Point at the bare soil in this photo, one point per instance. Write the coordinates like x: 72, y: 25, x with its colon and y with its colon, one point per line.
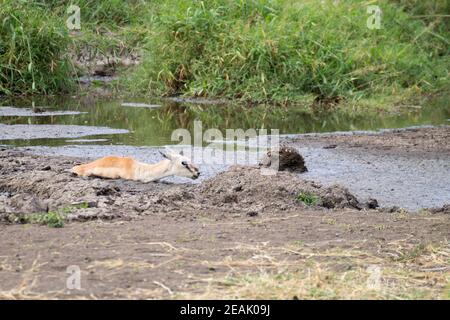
x: 422, y: 141
x: 228, y: 236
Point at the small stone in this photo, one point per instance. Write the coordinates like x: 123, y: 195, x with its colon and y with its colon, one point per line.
x: 237, y: 188
x: 252, y: 213
x: 228, y: 198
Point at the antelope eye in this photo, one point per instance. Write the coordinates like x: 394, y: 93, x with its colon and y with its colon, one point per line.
x: 184, y: 163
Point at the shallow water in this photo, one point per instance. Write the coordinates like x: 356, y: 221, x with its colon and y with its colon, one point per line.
x: 154, y: 126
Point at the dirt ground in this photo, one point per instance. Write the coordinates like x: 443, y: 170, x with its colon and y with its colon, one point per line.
x: 419, y: 141
x: 239, y: 234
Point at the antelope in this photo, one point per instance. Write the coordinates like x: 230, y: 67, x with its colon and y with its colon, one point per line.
x: 113, y: 167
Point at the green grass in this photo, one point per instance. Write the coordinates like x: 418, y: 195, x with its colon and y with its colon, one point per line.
x: 277, y: 51
x: 307, y: 198
x: 34, y: 55
x: 37, y: 50
x: 269, y: 50
x: 51, y: 219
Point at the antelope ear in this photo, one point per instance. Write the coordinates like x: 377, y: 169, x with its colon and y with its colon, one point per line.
x: 182, y: 153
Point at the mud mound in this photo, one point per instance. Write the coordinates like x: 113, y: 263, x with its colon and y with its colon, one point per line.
x: 444, y: 209
x: 247, y: 185
x: 245, y: 189
x: 288, y: 159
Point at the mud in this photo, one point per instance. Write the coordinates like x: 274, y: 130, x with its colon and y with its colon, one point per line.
x: 407, y: 168
x: 34, y: 184
x: 30, y: 131
x: 419, y: 141
x: 285, y: 158
x: 177, y: 239
x: 182, y: 253
x: 37, y: 112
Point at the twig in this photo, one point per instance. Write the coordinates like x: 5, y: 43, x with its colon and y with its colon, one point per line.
x: 164, y: 287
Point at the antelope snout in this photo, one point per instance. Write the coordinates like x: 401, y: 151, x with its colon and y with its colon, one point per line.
x: 196, y: 175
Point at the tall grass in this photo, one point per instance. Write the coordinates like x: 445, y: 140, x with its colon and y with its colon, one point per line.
x: 254, y: 50
x: 37, y: 51
x: 33, y: 50
x: 100, y: 13
x: 276, y: 50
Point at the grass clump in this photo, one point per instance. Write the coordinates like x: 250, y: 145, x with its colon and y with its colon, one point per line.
x: 308, y: 198
x: 278, y: 50
x: 51, y: 219
x: 33, y: 50
x: 38, y: 53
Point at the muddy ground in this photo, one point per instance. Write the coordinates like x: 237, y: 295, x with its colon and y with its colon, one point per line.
x: 409, y: 168
x: 420, y: 141
x: 239, y: 234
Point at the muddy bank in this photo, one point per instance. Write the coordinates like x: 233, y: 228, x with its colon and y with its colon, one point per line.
x: 420, y: 141
x: 166, y: 240
x: 407, y: 168
x: 161, y: 257
x: 30, y: 131
x: 33, y: 184
x: 36, y: 112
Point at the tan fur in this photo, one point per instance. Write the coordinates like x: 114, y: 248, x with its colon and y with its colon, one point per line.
x: 113, y: 167
x: 107, y: 167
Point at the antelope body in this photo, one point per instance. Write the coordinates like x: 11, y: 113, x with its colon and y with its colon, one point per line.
x: 113, y: 167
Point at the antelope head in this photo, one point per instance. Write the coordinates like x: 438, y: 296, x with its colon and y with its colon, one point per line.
x: 181, y: 165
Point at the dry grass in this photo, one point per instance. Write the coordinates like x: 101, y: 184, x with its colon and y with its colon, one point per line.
x: 414, y: 272
x: 24, y: 290
x: 398, y: 270
x: 115, y: 264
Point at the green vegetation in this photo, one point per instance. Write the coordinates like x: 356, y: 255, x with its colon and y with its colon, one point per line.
x: 281, y: 50
x: 34, y: 55
x: 277, y: 51
x: 307, y: 198
x: 37, y: 51
x: 52, y: 219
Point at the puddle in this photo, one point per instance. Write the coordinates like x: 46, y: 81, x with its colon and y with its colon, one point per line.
x: 92, y: 79
x: 408, y: 182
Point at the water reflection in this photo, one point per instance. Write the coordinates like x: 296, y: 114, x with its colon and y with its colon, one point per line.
x: 149, y: 126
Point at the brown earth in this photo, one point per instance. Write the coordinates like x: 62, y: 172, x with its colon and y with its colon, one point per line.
x: 423, y: 141
x: 240, y: 234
